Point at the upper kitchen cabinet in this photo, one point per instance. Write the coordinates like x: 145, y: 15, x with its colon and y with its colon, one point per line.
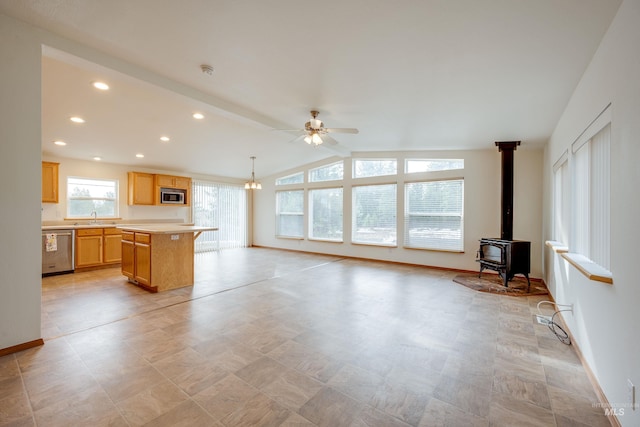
x: 50, y: 182
x: 155, y: 189
x: 169, y: 181
x: 140, y: 189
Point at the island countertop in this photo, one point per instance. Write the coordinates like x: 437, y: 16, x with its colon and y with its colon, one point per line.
x: 165, y: 228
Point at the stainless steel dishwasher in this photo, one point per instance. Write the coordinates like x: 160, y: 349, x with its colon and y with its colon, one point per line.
x: 57, y: 251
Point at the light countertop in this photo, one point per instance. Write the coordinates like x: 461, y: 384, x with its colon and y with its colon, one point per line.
x: 165, y: 228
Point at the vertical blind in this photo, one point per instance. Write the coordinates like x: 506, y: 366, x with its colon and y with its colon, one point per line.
x: 561, y: 200
x: 290, y: 213
x: 325, y: 209
x: 223, y: 206
x: 591, y: 196
x: 374, y: 214
x: 600, y: 198
x: 434, y: 215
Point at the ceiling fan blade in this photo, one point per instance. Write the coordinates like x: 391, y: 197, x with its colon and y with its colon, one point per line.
x: 342, y: 130
x: 326, y: 139
x: 290, y: 130
x: 297, y: 139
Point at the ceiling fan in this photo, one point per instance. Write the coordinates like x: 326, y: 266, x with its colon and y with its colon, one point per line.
x: 315, y: 133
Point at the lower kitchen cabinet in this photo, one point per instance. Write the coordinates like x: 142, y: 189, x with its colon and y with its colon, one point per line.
x: 97, y: 247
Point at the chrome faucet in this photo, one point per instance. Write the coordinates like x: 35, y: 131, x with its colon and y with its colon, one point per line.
x: 94, y: 214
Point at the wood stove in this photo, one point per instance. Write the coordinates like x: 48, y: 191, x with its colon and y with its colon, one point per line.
x: 506, y: 256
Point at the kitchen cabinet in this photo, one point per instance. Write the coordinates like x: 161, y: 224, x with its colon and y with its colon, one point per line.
x: 88, y: 247
x: 112, y: 249
x: 169, y: 181
x: 144, y: 188
x: 50, y: 182
x: 159, y: 257
x: 140, y: 190
x: 143, y: 259
x: 96, y: 247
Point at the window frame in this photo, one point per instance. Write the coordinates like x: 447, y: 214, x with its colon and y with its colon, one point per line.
x: 311, y: 202
x: 115, y: 199
x: 354, y: 214
x: 407, y: 216
x: 354, y: 169
x: 301, y: 214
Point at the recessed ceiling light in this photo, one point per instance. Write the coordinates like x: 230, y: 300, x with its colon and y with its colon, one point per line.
x: 60, y: 143
x: 139, y: 155
x: 77, y: 119
x: 97, y: 159
x: 101, y: 85
x: 165, y: 138
x: 198, y: 116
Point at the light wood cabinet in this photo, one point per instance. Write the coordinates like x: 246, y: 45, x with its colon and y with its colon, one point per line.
x: 158, y: 262
x: 170, y: 181
x: 96, y: 247
x: 128, y: 255
x: 50, y: 182
x: 112, y: 247
x: 143, y: 259
x: 140, y: 190
x: 88, y: 247
x: 144, y: 188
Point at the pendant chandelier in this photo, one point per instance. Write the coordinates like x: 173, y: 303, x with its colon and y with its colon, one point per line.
x: 252, y: 184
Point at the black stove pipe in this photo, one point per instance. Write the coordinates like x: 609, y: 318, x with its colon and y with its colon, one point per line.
x: 506, y: 219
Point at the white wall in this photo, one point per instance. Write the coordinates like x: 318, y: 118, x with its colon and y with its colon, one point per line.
x: 481, y: 210
x: 606, y: 318
x: 20, y: 171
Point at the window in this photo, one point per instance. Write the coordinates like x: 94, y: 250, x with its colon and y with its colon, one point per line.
x: 374, y: 167
x: 330, y: 172
x: 223, y: 206
x: 290, y: 213
x: 374, y: 214
x: 85, y: 196
x: 591, y: 189
x: 561, y: 197
x: 432, y: 165
x: 296, y: 178
x: 433, y: 215
x: 325, y: 214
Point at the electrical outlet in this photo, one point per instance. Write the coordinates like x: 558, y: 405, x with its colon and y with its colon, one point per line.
x: 543, y: 320
x: 631, y: 390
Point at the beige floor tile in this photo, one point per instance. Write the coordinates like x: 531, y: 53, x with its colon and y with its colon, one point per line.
x: 225, y: 397
x: 342, y: 341
x: 442, y: 414
x: 508, y: 411
x: 331, y: 408
x: 151, y: 403
x: 186, y: 414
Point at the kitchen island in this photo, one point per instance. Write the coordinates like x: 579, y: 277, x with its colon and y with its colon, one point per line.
x: 159, y: 257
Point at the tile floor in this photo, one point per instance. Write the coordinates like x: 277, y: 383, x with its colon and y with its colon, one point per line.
x: 275, y: 338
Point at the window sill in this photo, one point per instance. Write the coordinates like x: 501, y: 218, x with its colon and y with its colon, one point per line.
x: 452, y: 251
x: 290, y: 237
x: 589, y: 268
x: 558, y: 247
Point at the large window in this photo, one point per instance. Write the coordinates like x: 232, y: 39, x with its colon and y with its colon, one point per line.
x: 325, y: 214
x: 432, y: 165
x: 433, y: 215
x: 374, y: 214
x: 334, y: 171
x: 223, y: 206
x: 88, y: 197
x: 561, y: 200
x: 290, y: 213
x: 591, y: 190
x: 296, y: 178
x: 363, y: 168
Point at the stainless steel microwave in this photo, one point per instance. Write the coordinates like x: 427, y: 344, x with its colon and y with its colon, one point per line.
x: 172, y: 196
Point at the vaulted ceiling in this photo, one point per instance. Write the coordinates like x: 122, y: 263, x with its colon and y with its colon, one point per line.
x: 410, y: 75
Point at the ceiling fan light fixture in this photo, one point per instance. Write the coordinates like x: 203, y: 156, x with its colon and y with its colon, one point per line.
x: 315, y: 123
x: 307, y: 139
x: 315, y: 138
